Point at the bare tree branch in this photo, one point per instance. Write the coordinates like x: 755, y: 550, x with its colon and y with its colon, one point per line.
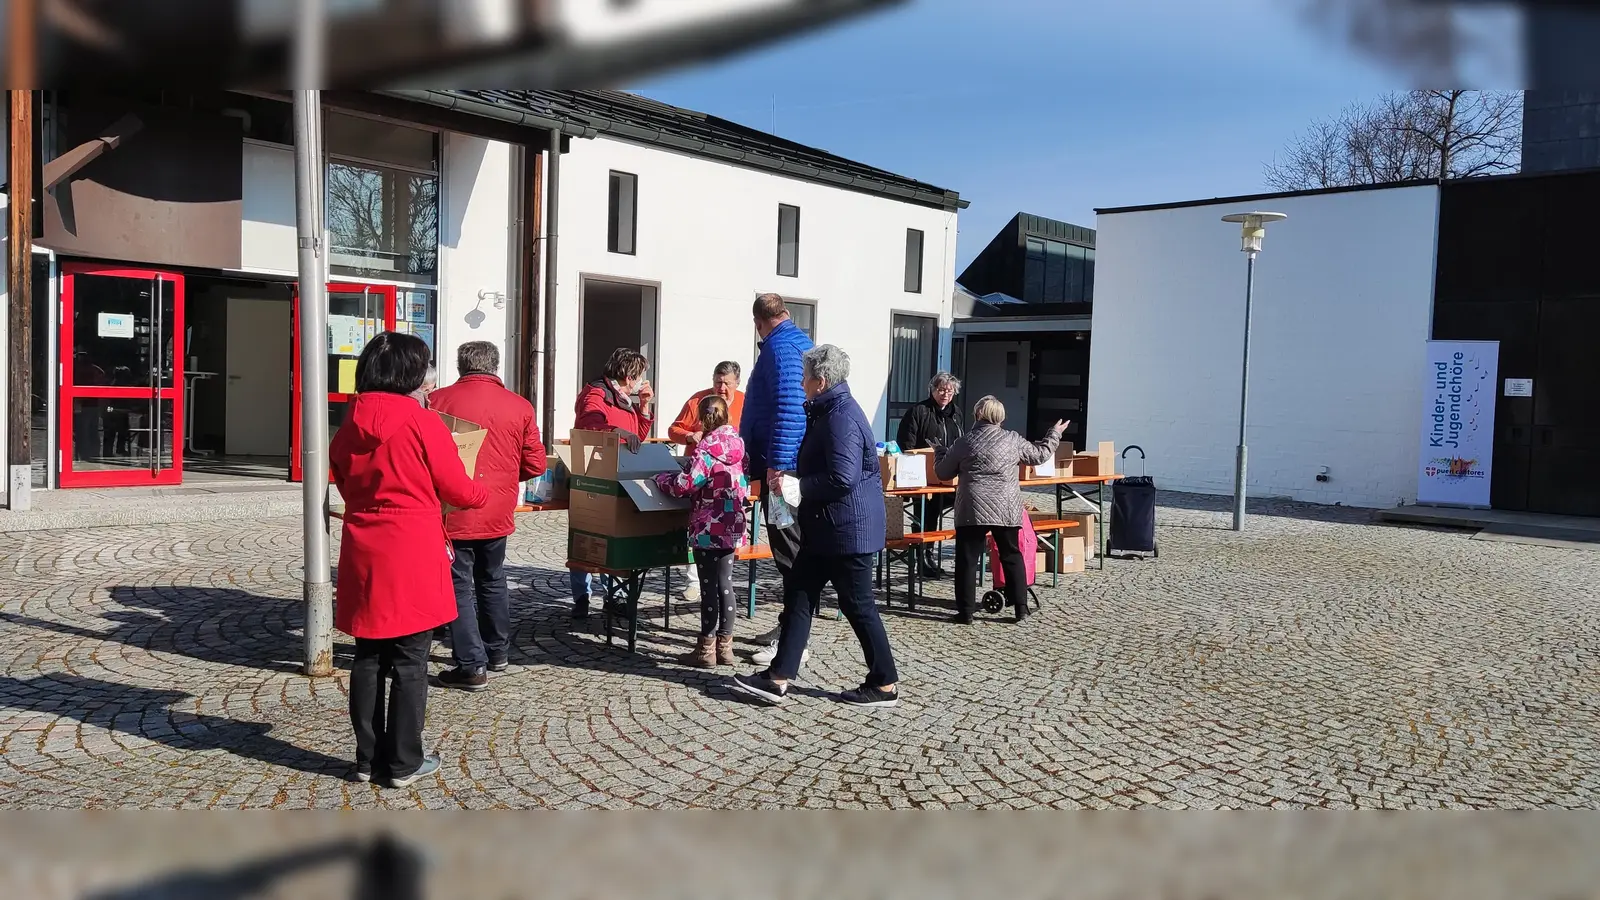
x: 1416, y: 135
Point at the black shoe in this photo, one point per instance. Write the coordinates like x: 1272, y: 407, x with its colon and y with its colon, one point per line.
x: 463, y: 679
x: 499, y: 664
x: 362, y: 773
x: 1023, y: 613
x: 430, y: 765
x: 871, y: 696
x: 961, y: 619
x: 932, y: 573
x: 759, y: 686
x: 580, y: 611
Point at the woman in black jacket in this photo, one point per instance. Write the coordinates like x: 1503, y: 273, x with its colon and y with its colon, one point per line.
x: 934, y: 423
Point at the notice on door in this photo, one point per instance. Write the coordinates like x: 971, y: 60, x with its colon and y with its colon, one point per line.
x: 1519, y: 387
x: 1458, y: 423
x: 116, y: 325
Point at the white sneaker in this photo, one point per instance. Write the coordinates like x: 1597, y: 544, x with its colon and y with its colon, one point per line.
x: 691, y: 589
x: 767, y: 654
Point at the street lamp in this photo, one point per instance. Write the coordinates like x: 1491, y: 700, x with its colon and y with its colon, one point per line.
x: 1254, y: 227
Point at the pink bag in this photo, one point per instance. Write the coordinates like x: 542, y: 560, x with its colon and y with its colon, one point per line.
x: 1030, y: 553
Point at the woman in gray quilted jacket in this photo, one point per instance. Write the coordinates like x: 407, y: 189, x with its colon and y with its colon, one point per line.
x: 989, y: 501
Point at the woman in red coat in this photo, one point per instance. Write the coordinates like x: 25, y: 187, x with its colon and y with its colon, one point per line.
x: 394, y: 462
x: 620, y: 400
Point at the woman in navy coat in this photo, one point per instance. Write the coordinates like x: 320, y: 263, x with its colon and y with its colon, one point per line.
x: 841, y: 519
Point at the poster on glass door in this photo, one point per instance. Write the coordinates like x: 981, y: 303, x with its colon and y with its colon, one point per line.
x: 1458, y: 423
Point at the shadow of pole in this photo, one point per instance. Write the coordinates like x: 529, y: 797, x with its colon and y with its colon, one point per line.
x: 386, y: 869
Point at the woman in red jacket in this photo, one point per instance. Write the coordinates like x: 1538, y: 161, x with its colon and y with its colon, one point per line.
x: 619, y: 401
x: 394, y: 462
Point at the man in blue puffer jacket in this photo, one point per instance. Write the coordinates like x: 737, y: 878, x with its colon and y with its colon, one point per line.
x: 775, y: 422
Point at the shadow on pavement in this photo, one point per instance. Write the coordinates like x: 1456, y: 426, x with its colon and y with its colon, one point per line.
x: 386, y: 868
x: 190, y: 621
x: 147, y: 713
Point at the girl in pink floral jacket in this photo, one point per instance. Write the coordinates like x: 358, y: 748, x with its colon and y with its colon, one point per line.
x: 716, y: 484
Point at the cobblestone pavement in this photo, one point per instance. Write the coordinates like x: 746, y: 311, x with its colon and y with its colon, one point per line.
x: 1315, y: 660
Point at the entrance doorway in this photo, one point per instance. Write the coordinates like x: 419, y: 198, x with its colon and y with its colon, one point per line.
x: 356, y: 314
x: 237, y: 403
x: 615, y: 314
x: 1000, y: 369
x: 122, y: 376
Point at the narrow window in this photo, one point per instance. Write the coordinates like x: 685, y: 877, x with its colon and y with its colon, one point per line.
x: 788, y: 240
x: 913, y: 261
x: 622, y: 221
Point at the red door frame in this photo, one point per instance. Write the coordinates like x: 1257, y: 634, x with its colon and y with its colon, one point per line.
x: 70, y: 391
x: 390, y: 295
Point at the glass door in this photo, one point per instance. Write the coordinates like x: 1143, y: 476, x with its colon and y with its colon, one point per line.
x: 121, y: 396
x: 356, y: 314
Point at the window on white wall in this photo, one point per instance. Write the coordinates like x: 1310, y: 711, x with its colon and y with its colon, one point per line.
x: 788, y: 240
x: 803, y: 313
x: 913, y: 261
x: 622, y: 220
x: 382, y: 199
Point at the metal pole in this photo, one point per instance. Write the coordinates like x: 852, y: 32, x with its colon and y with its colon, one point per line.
x: 318, y: 658
x: 1240, y: 460
x: 551, y: 220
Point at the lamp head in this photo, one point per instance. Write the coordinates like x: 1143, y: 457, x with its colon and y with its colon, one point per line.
x: 1254, y: 227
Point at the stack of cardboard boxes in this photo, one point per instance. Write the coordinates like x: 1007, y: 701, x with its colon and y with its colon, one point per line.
x: 617, y: 517
x: 1070, y: 464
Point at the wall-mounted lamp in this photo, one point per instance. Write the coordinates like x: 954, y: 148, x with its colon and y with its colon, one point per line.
x: 498, y: 297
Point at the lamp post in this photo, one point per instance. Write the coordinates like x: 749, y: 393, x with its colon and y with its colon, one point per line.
x: 1254, y: 227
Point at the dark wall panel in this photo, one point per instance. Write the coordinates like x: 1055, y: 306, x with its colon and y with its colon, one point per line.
x: 170, y: 195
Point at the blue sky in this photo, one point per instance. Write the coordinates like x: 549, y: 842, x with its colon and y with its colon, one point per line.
x: 1050, y: 106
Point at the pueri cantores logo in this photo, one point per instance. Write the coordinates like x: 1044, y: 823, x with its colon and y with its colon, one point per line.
x: 1453, y: 467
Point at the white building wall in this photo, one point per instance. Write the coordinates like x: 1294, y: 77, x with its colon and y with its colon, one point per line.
x: 1342, y: 309
x: 707, y: 234
x: 475, y: 248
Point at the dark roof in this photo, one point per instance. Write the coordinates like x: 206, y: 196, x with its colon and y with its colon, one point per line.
x: 630, y: 117
x: 1253, y: 198
x: 1041, y: 226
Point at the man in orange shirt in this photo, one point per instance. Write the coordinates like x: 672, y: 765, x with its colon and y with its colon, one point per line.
x: 724, y: 384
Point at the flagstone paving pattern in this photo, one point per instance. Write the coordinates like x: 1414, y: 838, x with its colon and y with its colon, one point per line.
x: 1315, y: 660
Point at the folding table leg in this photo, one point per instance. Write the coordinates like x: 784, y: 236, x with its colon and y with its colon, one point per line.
x: 755, y: 538
x: 667, y: 618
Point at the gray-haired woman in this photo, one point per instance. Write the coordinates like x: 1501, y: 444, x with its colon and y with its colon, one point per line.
x: 989, y: 501
x: 934, y: 424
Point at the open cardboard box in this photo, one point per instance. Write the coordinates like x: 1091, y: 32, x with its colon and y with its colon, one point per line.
x: 615, y: 511
x: 469, y: 437
x: 905, y: 471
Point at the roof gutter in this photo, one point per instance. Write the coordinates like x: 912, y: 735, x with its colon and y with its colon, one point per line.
x: 520, y: 117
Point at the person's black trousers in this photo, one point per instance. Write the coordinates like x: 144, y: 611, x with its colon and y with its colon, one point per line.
x: 970, y: 546
x: 851, y: 577
x: 389, y: 734
x: 482, y: 629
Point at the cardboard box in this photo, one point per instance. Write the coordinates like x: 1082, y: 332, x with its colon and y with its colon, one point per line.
x: 469, y: 437
x: 617, y: 514
x: 624, y: 553
x: 1101, y: 462
x: 929, y: 465
x: 1071, y: 562
x: 905, y: 471
x: 612, y: 493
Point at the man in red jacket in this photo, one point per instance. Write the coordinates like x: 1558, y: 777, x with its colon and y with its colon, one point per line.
x: 511, y: 454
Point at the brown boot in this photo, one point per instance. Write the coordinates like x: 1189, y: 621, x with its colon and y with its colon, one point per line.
x: 703, y: 656
x: 725, y: 650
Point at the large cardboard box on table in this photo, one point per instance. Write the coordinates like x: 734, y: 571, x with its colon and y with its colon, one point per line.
x: 1103, y: 461
x: 617, y: 517
x: 469, y: 437
x: 904, y: 471
x: 928, y: 467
